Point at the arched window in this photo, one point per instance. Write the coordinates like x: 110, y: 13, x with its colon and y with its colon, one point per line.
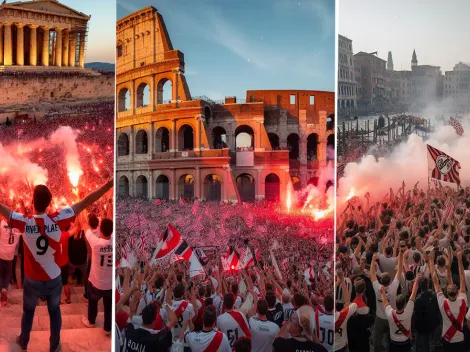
x: 143, y: 95
x: 123, y: 144
x: 246, y: 187
x: 141, y: 187
x: 123, y: 186
x: 185, y: 138
x: 163, y: 187
x: 141, y: 142
x: 212, y: 188
x: 124, y: 100
x: 272, y: 188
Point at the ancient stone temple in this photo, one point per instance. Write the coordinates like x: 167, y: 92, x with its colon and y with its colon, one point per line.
x: 42, y: 33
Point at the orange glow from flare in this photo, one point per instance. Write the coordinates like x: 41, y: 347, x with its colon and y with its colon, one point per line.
x: 288, y: 201
x: 351, y: 194
x: 74, y: 176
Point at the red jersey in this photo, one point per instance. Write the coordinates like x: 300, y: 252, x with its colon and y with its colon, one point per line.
x: 63, y: 257
x: 42, y: 241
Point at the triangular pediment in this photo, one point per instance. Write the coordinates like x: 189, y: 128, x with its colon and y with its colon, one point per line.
x: 51, y: 6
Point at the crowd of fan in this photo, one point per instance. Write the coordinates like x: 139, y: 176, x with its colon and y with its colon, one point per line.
x: 264, y: 296
x: 402, y: 267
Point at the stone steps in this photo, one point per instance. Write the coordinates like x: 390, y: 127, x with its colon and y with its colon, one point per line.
x: 74, y: 335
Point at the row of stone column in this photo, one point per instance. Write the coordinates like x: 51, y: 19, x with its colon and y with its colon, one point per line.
x: 63, y: 55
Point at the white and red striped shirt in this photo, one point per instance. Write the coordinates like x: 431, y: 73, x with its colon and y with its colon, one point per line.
x: 42, y: 241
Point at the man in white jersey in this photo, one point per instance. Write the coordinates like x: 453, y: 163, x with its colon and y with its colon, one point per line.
x: 263, y: 332
x: 100, y: 281
x: 41, y: 235
x: 233, y: 323
x: 452, y: 309
x: 182, y: 308
x: 8, y: 241
x: 381, y: 327
x: 326, y: 329
x: 209, y: 339
x: 342, y: 317
x: 399, y: 320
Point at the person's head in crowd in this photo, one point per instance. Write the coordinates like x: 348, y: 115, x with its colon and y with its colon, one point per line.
x: 234, y: 288
x: 262, y: 308
x: 159, y: 281
x: 209, y: 317
x: 178, y: 291
x: 452, y: 291
x: 201, y: 291
x: 208, y: 301
x: 359, y: 286
x: 42, y: 198
x: 329, y: 302
x: 401, y: 303
x: 271, y: 299
x: 385, y: 279
x: 441, y: 261
x: 229, y: 301
x: 93, y: 221
x: 417, y: 257
x: 424, y: 284
x: 243, y: 344
x: 148, y: 315
x: 106, y: 228
x: 389, y: 251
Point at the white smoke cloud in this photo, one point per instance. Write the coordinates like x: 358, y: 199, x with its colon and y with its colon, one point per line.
x: 20, y: 170
x: 406, y: 162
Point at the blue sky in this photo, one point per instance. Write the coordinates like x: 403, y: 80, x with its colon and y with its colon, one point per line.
x: 437, y: 29
x: 101, y: 27
x: 231, y: 46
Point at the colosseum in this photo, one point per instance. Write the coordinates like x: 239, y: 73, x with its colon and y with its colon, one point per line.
x: 194, y: 147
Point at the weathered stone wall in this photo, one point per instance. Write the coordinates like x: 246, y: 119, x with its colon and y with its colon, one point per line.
x: 30, y: 90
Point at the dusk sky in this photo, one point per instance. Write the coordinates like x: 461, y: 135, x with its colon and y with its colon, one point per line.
x: 101, y: 28
x: 231, y: 46
x: 437, y: 29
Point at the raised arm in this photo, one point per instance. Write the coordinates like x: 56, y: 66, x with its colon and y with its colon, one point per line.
x: 92, y: 197
x: 400, y: 265
x: 461, y: 272
x: 415, y: 287
x: 5, y: 211
x: 373, y: 276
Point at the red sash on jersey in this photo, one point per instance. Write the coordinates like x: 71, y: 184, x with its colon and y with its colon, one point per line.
x: 215, y: 343
x: 319, y: 308
x: 237, y: 316
x: 342, y: 317
x: 180, y: 310
x: 400, y: 325
x: 158, y: 323
x: 317, y: 323
x: 359, y: 301
x: 199, y: 320
x: 456, y: 323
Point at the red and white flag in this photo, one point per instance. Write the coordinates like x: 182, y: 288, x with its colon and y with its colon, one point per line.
x: 248, y: 259
x: 309, y: 274
x: 456, y: 125
x: 442, y: 167
x: 167, y: 245
x: 182, y: 253
x: 231, y: 260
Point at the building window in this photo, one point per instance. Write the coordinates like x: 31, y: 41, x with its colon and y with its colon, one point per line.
x: 119, y: 50
x: 292, y: 99
x: 312, y: 100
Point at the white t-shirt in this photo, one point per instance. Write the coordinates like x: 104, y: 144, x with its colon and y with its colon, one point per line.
x: 188, y: 313
x: 8, y: 241
x: 341, y: 335
x: 404, y: 318
x: 229, y: 326
x: 340, y: 293
x: 391, y: 293
x: 238, y: 302
x: 455, y: 309
x: 288, y: 309
x: 198, y: 341
x: 388, y: 264
x: 101, y: 272
x: 327, y: 331
x: 263, y: 334
x: 217, y: 302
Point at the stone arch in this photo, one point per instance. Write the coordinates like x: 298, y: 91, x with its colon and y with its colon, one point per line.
x: 272, y: 187
x: 296, y: 184
x: 185, y: 138
x: 123, y: 144
x: 213, y: 187
x: 141, y: 142
x: 162, y: 189
x: 246, y: 187
x: 186, y: 186
x: 165, y: 91
x: 244, y: 137
x: 330, y: 147
x: 293, y: 141
x: 313, y: 181
x: 219, y: 137
x: 162, y: 140
x: 274, y: 140
x: 143, y: 95
x: 312, y: 147
x: 123, y: 189
x: 207, y: 112
x: 141, y: 187
x: 330, y: 122
x: 124, y: 100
